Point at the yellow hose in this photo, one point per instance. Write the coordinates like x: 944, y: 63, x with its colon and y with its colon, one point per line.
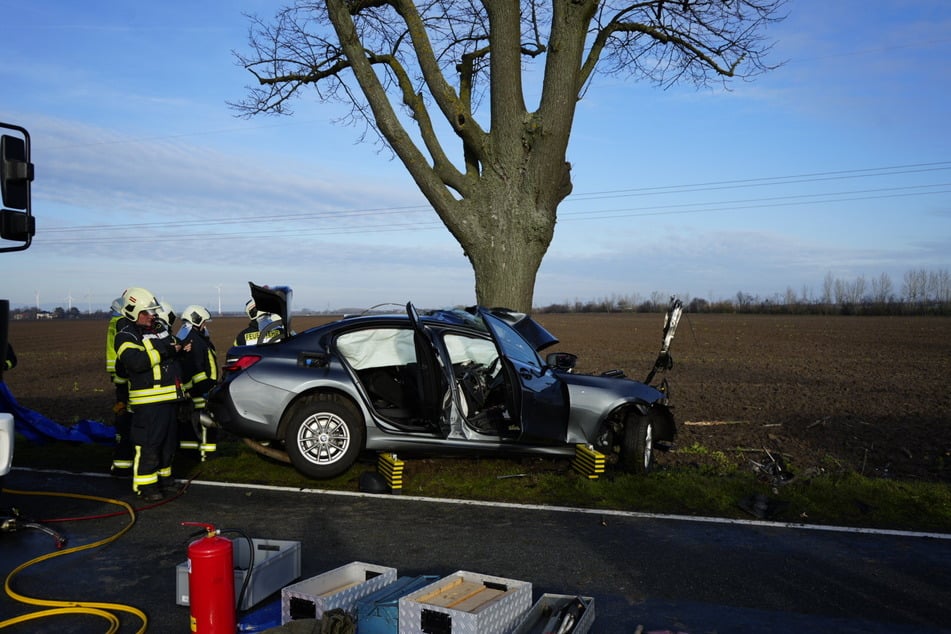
x: 72, y: 607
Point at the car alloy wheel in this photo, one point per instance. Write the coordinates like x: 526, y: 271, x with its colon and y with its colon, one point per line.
x: 324, y: 436
x: 637, y: 445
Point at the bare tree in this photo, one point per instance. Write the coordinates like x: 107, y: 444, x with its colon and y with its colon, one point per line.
x: 939, y: 285
x: 443, y: 83
x: 882, y: 289
x: 914, y: 286
x: 856, y: 292
x: 828, y: 286
x: 841, y: 290
x: 790, y: 298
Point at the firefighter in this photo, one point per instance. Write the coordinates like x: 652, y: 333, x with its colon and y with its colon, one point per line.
x: 268, y: 323
x: 124, y: 453
x: 165, y: 320
x: 9, y: 359
x: 200, y: 374
x: 148, y: 353
x: 166, y: 315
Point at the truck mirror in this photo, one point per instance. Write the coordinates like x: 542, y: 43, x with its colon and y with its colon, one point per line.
x: 16, y: 172
x: 17, y: 225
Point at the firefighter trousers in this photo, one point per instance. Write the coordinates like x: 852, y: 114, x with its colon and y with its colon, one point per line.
x: 154, y: 435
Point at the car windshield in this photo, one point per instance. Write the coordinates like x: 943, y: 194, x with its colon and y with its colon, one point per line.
x: 457, y: 316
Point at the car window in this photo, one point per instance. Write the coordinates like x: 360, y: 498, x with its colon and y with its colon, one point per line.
x: 377, y: 347
x: 511, y: 343
x: 463, y: 349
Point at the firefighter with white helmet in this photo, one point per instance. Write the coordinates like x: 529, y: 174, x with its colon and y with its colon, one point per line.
x: 166, y: 314
x: 200, y: 374
x: 150, y: 358
x: 260, y: 322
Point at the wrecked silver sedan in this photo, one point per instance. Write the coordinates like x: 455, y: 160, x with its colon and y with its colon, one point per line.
x: 470, y: 381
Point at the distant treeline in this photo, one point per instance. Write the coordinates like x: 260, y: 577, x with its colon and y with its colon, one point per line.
x: 921, y: 293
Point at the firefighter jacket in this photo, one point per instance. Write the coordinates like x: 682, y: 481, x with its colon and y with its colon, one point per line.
x: 9, y: 359
x: 111, y: 342
x: 116, y: 372
x: 264, y: 328
x: 200, y: 366
x: 248, y: 336
x: 149, y: 358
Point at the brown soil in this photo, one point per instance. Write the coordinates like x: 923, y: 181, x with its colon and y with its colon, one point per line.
x: 863, y: 393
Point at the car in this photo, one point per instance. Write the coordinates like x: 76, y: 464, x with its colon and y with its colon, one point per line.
x: 468, y: 381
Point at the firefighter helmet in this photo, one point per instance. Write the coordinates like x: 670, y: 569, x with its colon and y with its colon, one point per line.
x: 136, y: 300
x: 196, y: 315
x: 166, y: 313
x: 251, y: 309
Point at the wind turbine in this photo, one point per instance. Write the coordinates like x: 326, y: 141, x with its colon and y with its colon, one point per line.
x: 219, y: 299
x: 69, y: 301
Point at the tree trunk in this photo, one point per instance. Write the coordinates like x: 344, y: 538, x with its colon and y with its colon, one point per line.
x: 505, y: 260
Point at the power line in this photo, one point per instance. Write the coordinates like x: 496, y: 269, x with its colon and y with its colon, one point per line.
x: 772, y: 180
x: 386, y: 214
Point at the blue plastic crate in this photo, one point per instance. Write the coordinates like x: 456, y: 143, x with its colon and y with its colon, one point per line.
x: 378, y: 613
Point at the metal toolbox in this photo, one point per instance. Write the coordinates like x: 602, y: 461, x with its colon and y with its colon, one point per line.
x: 337, y: 588
x: 465, y: 603
x: 276, y: 563
x: 549, y: 605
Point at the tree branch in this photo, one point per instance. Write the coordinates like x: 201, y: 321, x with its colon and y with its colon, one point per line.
x: 386, y: 119
x: 457, y: 113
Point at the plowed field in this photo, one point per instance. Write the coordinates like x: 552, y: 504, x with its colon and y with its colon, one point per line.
x: 871, y: 394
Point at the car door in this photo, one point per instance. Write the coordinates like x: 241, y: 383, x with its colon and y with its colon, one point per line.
x: 541, y: 401
x: 434, y: 377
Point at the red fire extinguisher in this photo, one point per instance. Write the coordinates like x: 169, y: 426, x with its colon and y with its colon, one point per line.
x: 211, y: 583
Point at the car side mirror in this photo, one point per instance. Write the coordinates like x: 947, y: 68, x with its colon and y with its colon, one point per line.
x: 562, y: 361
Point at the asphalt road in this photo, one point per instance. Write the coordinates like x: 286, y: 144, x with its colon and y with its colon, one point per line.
x: 664, y: 574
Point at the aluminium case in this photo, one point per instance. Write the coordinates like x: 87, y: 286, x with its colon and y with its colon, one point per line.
x: 548, y: 604
x: 338, y: 588
x: 452, y: 605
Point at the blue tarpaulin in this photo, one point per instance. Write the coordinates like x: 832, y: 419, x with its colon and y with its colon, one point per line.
x: 39, y: 429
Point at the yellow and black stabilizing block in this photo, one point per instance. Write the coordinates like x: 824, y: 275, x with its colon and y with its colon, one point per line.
x: 588, y: 462
x: 391, y: 468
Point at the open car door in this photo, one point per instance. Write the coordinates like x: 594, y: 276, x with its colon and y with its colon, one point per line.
x: 433, y: 380
x: 540, y: 398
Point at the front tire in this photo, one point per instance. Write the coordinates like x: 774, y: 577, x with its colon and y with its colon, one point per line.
x: 324, y: 436
x: 637, y: 445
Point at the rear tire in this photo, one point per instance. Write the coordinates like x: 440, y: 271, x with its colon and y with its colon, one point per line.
x: 324, y: 436
x: 637, y: 445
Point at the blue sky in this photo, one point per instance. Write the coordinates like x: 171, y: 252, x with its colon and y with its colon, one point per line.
x: 838, y: 162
